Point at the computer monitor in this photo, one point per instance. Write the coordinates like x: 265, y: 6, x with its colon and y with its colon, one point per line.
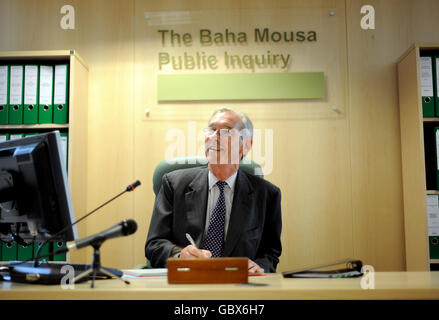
x: 35, y: 200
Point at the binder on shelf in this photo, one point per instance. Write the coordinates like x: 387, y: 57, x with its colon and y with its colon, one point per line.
x: 45, y: 106
x: 4, y: 137
x: 426, y: 74
x: 61, y: 94
x: 9, y: 251
x: 30, y: 134
x: 65, y: 147
x: 60, y: 256
x: 4, y: 94
x: 14, y: 136
x: 30, y: 107
x: 16, y: 94
x: 436, y: 138
x: 430, y: 155
x: 436, y: 83
x: 25, y: 252
x: 433, y: 225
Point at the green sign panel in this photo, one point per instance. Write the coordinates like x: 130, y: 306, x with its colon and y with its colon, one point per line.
x: 241, y: 86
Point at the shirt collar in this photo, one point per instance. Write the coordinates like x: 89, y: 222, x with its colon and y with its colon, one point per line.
x: 230, y: 181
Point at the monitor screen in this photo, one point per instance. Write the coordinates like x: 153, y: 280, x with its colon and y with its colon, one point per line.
x: 35, y: 200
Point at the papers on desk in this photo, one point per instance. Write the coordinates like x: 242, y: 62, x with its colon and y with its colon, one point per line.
x: 158, y: 273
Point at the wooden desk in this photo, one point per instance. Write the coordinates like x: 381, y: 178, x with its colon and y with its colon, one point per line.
x: 388, y: 285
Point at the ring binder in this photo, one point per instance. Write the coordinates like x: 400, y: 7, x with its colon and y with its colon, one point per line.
x: 352, y: 268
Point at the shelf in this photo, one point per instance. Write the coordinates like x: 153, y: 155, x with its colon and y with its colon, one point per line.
x: 424, y: 46
x: 34, y: 126
x: 434, y: 260
x: 42, y: 56
x: 52, y: 55
x: 412, y: 128
x: 77, y: 128
x: 49, y: 54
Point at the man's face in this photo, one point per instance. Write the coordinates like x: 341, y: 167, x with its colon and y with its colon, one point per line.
x: 223, y: 144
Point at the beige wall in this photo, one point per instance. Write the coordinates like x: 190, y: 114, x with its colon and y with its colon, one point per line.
x: 340, y: 174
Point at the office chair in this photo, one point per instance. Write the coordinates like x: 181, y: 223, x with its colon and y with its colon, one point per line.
x: 170, y: 165
x: 187, y: 162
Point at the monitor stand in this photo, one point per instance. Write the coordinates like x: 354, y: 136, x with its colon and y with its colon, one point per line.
x: 52, y: 272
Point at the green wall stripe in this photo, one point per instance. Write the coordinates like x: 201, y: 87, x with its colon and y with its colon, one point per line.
x: 240, y: 86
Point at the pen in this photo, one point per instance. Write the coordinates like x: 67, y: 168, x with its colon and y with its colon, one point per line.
x: 188, y: 236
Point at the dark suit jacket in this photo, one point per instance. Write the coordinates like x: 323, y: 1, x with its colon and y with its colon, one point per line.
x: 180, y: 207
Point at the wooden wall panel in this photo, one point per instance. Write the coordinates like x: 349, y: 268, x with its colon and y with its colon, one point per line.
x: 108, y: 46
x: 375, y: 142
x: 103, y: 38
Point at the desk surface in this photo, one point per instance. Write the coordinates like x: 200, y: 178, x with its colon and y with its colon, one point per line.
x: 388, y: 285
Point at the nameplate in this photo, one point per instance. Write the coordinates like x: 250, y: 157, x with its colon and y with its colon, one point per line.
x: 212, y: 270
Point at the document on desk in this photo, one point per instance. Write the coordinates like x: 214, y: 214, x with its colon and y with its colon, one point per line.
x: 145, y: 273
x: 352, y: 269
x: 157, y: 273
x: 323, y: 274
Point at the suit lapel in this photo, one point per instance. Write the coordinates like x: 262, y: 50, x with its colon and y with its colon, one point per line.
x: 196, y: 202
x: 240, y: 217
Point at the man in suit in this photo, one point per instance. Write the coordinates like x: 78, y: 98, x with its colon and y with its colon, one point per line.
x: 227, y: 211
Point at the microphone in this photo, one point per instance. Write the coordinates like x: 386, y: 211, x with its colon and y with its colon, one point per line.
x: 132, y: 186
x: 129, y: 188
x: 123, y: 228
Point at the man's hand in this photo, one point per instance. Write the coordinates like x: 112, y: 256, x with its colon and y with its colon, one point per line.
x: 193, y: 252
x: 253, y: 267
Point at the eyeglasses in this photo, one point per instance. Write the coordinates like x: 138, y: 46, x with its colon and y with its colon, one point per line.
x: 223, y: 132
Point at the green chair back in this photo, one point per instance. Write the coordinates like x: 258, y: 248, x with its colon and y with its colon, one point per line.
x: 170, y: 165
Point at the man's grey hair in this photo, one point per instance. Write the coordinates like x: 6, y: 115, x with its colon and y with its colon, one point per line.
x: 245, y: 125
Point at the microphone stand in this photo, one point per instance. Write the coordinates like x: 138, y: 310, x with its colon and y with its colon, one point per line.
x: 129, y: 188
x: 97, y: 267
